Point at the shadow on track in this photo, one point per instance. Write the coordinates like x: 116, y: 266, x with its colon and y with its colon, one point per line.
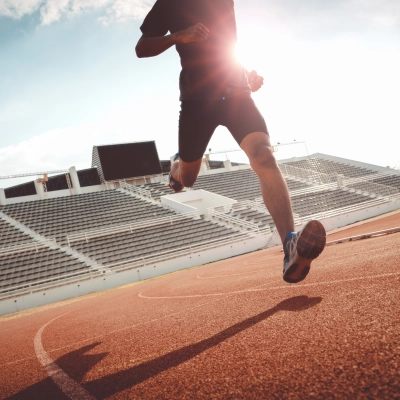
x: 76, y: 363
x: 114, y: 383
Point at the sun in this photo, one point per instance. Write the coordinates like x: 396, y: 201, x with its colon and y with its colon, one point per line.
x: 249, y: 52
x: 243, y: 55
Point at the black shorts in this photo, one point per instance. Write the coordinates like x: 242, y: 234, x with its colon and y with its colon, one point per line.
x: 200, y: 117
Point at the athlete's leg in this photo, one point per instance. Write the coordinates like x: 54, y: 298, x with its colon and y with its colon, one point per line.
x: 186, y: 172
x: 248, y: 127
x: 274, y: 190
x: 196, y: 126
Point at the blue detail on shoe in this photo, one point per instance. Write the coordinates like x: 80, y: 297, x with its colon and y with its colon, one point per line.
x: 176, y: 156
x: 300, y: 249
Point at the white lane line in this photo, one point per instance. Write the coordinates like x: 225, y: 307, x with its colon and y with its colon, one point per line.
x: 71, y: 388
x: 226, y: 276
x: 288, y: 286
x: 17, y: 361
x: 93, y: 338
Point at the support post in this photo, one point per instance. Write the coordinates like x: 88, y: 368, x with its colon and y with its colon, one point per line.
x: 203, y: 168
x: 39, y: 189
x: 228, y: 165
x: 75, y: 180
x: 3, y: 200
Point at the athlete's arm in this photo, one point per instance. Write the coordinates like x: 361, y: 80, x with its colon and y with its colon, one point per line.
x: 150, y: 45
x: 255, y: 80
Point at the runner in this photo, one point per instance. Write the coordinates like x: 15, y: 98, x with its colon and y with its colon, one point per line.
x: 215, y: 89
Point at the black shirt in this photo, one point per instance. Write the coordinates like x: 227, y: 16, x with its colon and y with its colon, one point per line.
x: 209, y: 69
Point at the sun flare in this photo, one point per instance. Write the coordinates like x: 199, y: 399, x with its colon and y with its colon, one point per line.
x: 244, y: 56
x: 249, y: 53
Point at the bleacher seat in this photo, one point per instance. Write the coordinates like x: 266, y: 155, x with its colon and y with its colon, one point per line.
x: 239, y: 185
x: 11, y: 236
x: 150, y: 240
x: 330, y: 167
x: 28, y: 267
x: 57, y: 217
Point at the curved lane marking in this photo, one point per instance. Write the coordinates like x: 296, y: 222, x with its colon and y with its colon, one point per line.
x: 270, y: 288
x: 71, y: 388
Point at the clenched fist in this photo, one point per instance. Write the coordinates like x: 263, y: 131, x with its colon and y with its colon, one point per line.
x: 255, y: 80
x: 196, y: 33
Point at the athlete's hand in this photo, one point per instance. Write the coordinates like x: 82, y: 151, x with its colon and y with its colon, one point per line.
x: 255, y: 80
x: 196, y: 33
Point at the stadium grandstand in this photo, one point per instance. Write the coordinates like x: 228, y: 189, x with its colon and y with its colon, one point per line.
x: 72, y: 232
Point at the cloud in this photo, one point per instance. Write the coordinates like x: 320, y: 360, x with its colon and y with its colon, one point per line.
x: 18, y: 8
x: 124, y: 10
x: 380, y: 13
x: 62, y: 148
x: 15, y: 110
x: 53, y: 10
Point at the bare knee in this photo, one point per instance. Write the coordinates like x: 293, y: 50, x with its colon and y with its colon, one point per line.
x: 262, y: 158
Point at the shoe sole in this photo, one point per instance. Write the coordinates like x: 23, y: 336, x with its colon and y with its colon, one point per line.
x: 310, y: 245
x: 177, y: 187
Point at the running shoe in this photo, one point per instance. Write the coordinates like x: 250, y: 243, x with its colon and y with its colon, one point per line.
x: 172, y: 183
x: 300, y: 249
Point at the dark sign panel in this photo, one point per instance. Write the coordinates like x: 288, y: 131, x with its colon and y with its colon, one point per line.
x: 88, y: 177
x: 26, y: 189
x: 129, y: 160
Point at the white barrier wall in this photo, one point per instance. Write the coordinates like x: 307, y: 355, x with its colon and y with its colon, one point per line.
x: 339, y: 221
x: 14, y: 200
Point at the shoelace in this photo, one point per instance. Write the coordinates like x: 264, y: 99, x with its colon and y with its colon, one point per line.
x: 290, y: 244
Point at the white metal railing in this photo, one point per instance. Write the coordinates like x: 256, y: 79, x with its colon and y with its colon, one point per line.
x: 373, y: 188
x: 86, y: 235
x: 240, y: 205
x: 182, y: 251
x: 306, y: 174
x: 48, y: 283
x: 136, y: 190
x: 395, y: 197
x: 314, y: 189
x: 254, y: 205
x: 34, y: 245
x: 297, y: 219
x: 367, y: 178
x: 359, y: 183
x: 240, y: 223
x: 345, y: 210
x: 220, y: 213
x: 260, y: 202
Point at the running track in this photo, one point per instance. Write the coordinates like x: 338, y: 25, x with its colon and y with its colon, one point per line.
x: 231, y: 329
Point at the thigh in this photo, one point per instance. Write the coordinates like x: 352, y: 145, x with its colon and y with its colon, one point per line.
x: 242, y: 117
x: 196, y: 126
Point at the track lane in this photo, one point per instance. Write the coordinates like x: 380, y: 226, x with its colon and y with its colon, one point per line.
x: 335, y: 334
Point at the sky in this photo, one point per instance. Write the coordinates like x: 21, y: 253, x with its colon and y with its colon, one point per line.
x: 70, y: 79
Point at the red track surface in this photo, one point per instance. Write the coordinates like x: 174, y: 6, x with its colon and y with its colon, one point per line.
x: 231, y: 329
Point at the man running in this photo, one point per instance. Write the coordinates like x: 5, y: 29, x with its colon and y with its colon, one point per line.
x: 215, y: 90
